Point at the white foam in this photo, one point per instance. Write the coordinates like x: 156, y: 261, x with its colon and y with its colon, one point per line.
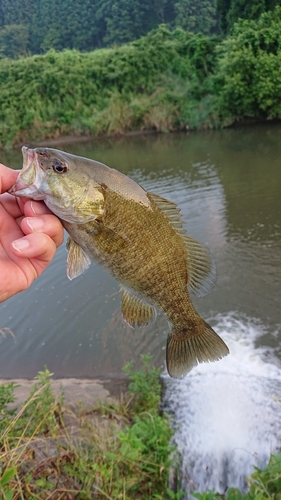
x: 227, y: 414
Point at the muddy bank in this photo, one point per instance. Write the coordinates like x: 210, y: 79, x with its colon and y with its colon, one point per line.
x: 76, y: 139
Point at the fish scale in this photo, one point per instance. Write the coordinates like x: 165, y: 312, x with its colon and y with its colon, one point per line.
x: 138, y: 238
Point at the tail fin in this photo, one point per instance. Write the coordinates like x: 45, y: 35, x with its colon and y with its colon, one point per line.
x: 186, y: 349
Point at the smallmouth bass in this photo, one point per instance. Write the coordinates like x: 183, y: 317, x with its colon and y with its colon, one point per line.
x: 138, y: 238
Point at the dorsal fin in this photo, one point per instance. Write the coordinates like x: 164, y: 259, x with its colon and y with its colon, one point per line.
x: 171, y: 210
x: 201, y: 267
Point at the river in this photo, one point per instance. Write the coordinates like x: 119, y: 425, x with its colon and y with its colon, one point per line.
x: 227, y: 184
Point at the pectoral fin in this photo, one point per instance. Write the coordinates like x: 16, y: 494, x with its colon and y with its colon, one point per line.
x: 77, y: 260
x: 135, y: 311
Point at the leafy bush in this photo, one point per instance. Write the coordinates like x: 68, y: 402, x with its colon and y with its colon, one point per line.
x: 105, y: 91
x: 248, y: 78
x: 163, y: 81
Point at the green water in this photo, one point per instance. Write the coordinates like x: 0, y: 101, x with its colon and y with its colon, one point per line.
x: 227, y: 184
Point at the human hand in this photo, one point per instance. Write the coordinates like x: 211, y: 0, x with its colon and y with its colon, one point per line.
x: 29, y: 236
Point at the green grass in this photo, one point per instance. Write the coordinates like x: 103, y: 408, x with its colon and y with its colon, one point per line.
x: 117, y: 450
x: 120, y: 450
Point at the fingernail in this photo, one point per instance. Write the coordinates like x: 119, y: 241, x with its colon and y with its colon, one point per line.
x: 34, y: 223
x: 21, y: 245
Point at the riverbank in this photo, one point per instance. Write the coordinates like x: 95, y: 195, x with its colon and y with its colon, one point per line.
x: 66, y: 439
x: 74, y: 438
x: 74, y: 139
x: 76, y: 392
x: 64, y: 141
x: 165, y: 81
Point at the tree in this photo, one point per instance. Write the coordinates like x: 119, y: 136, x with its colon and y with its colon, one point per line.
x: 229, y: 11
x: 2, y: 22
x: 222, y: 10
x: 14, y: 40
x: 56, y: 24
x: 239, y: 9
x: 164, y: 11
x: 126, y: 20
x: 248, y: 79
x: 197, y: 16
x: 17, y: 11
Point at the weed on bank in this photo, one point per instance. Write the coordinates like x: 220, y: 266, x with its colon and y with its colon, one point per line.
x: 119, y: 450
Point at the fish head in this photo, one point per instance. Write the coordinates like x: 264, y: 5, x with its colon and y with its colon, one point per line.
x: 54, y: 176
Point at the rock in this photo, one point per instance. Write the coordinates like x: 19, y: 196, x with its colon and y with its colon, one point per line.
x: 77, y: 392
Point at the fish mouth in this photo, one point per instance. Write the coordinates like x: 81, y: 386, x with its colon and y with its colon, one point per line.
x: 28, y: 156
x: 30, y: 178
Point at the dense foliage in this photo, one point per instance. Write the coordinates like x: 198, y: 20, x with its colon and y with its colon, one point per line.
x: 150, y: 83
x: 166, y: 80
x: 35, y: 26
x: 229, y: 11
x: 249, y: 68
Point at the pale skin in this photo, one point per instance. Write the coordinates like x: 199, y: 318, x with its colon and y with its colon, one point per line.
x: 29, y: 237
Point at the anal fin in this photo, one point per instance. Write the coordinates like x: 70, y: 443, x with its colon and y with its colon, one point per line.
x: 77, y: 260
x: 135, y: 311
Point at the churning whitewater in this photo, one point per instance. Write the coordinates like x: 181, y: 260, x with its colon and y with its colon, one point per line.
x: 227, y: 416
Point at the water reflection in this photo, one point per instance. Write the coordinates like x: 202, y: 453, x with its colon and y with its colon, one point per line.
x: 227, y: 185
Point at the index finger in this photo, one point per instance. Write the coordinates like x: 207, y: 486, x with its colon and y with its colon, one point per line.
x: 7, y: 178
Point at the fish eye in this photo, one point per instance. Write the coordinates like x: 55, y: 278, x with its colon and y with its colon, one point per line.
x: 59, y: 167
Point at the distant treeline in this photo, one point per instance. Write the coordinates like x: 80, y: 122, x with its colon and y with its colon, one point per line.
x: 34, y: 26
x: 166, y: 80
